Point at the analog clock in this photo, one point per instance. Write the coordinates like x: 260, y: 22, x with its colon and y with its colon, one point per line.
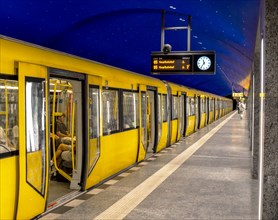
x: 204, y: 63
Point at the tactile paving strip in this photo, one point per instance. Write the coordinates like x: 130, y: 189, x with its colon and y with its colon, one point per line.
x: 80, y: 199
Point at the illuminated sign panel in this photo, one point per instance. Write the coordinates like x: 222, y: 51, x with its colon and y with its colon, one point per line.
x: 238, y: 95
x: 193, y: 62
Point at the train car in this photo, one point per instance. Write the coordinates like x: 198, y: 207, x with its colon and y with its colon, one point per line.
x: 68, y: 124
x: 110, y: 115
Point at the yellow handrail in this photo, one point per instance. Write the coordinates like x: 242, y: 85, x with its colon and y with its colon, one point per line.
x: 54, y: 114
x: 7, y: 109
x: 53, y: 127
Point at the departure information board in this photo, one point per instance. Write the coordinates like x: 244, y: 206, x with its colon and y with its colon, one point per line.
x: 193, y: 62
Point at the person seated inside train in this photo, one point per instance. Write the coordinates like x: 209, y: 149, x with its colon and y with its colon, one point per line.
x: 63, y: 152
x: 15, y: 135
x: 63, y: 160
x: 6, y: 144
x: 62, y: 130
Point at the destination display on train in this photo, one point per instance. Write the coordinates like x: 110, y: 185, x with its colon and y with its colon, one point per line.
x: 194, y: 62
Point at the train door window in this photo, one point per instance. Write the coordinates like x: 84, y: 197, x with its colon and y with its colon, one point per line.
x: 94, y: 127
x: 35, y: 108
x: 144, y: 119
x: 175, y: 107
x: 8, y: 116
x: 130, y: 110
x: 211, y: 105
x: 202, y: 107
x: 110, y: 103
x: 187, y: 106
x: 164, y: 108
x: 159, y: 109
x: 159, y: 117
x: 94, y: 113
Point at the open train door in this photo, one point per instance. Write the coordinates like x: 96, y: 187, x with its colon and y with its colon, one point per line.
x: 94, y: 126
x: 142, y: 151
x: 151, y: 119
x: 33, y: 140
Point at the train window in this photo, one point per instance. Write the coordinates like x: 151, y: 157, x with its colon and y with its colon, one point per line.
x: 35, y: 108
x: 130, y: 110
x: 187, y: 106
x: 181, y: 106
x: 159, y: 109
x: 211, y: 105
x: 94, y: 113
x: 110, y: 100
x: 8, y: 116
x: 175, y: 107
x: 192, y: 107
x: 164, y: 108
x: 203, y: 109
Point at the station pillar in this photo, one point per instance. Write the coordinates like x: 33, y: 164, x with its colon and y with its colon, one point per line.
x: 268, y: 30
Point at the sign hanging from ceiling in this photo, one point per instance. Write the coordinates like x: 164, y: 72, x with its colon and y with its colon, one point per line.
x: 193, y: 62
x: 237, y: 95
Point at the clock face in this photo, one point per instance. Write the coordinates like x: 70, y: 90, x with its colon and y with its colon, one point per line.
x: 204, y: 63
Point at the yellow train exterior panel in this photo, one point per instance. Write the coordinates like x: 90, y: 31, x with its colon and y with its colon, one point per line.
x: 117, y: 152
x: 203, y: 120
x: 174, y: 128
x: 191, y: 125
x: 163, y: 140
x: 8, y: 187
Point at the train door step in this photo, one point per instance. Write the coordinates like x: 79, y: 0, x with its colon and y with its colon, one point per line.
x: 62, y: 200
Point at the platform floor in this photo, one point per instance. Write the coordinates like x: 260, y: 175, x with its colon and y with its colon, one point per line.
x: 205, y: 176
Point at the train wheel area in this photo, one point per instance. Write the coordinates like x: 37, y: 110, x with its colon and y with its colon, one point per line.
x: 206, y: 175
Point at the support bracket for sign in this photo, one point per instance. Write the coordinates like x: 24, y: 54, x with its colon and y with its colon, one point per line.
x: 163, y: 29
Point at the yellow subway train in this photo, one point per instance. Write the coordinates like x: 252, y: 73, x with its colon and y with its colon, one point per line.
x: 68, y: 124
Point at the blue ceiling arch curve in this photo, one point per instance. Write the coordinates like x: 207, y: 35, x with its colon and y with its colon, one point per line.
x: 90, y: 21
x: 124, y: 33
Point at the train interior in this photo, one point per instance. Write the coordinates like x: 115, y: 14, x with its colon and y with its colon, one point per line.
x: 8, y: 115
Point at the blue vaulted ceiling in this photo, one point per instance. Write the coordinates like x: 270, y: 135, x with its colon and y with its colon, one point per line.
x: 123, y: 33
